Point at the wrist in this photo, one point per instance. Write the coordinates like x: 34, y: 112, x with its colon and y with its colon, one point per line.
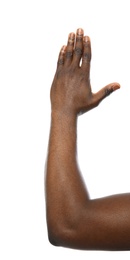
x: 63, y: 115
x: 63, y: 121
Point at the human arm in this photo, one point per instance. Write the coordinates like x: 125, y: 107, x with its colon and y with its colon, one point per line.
x: 73, y: 219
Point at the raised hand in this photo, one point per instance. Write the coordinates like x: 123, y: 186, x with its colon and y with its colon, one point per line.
x: 71, y: 91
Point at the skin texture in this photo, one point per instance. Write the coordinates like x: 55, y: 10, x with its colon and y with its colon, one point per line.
x: 73, y: 219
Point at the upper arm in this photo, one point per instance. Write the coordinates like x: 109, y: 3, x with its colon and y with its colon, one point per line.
x: 103, y: 224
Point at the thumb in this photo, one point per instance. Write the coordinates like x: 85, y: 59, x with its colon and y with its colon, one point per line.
x: 104, y: 92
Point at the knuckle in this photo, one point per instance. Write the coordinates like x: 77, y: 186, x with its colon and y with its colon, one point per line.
x: 60, y: 61
x: 69, y: 54
x: 78, y: 51
x: 87, y: 56
x: 108, y: 92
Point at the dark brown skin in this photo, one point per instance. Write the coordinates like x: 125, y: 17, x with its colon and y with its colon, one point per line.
x: 73, y: 219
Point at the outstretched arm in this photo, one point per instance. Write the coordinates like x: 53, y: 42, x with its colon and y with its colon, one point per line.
x: 73, y: 219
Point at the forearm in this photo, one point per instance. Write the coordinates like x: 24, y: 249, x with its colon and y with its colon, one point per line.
x: 65, y: 190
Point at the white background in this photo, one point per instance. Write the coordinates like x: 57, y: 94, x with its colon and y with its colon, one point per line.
x: 31, y: 35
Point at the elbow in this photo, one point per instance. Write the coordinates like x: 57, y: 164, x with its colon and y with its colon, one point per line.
x: 56, y: 236
x: 63, y: 230
x: 53, y: 231
x: 57, y: 230
x: 60, y: 235
x: 53, y: 239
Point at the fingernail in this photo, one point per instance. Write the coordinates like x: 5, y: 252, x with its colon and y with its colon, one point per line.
x: 111, y: 88
x: 86, y: 38
x: 80, y: 32
x: 63, y: 48
x: 71, y: 36
x: 115, y: 87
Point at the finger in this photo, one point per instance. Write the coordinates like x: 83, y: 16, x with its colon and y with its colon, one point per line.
x: 61, y: 57
x: 69, y: 49
x: 78, y: 50
x: 86, y: 57
x: 104, y: 92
